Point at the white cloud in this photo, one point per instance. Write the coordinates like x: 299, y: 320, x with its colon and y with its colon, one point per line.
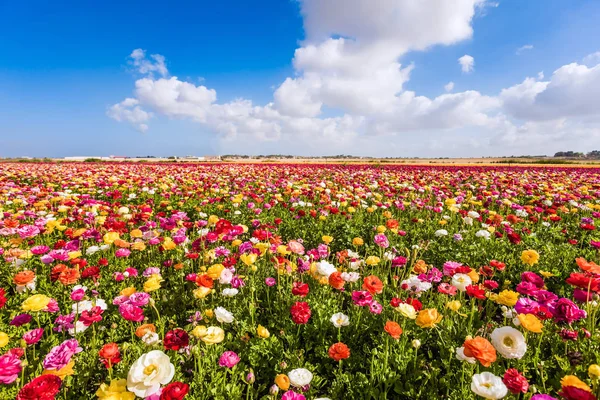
x: 147, y: 67
x: 467, y: 63
x: 592, y: 59
x: 523, y: 49
x: 350, y: 63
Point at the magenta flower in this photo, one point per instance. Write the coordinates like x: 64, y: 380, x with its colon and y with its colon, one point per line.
x: 10, y: 368
x: 33, y: 336
x: 270, y: 281
x: 61, y: 355
x: 564, y: 310
x: 291, y: 395
x: 362, y: 298
x: 131, y: 312
x: 375, y: 307
x: 20, y: 320
x: 382, y: 241
x: 229, y: 359
x: 122, y: 253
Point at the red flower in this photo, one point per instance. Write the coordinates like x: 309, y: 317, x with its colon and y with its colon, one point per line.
x: 174, y: 391
x: 339, y: 351
x: 176, y: 339
x: 395, y: 302
x: 300, y: 289
x: 2, y: 297
x: 476, y: 291
x: 418, y: 306
x: 584, y: 281
x: 514, y: 238
x: 573, y: 393
x: 91, y: 272
x: 300, y: 312
x: 91, y: 316
x: 490, y: 285
x: 110, y: 355
x: 44, y: 387
x: 515, y: 382
x: 498, y: 265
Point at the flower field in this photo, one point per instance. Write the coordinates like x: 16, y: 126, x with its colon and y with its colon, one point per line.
x: 232, y: 281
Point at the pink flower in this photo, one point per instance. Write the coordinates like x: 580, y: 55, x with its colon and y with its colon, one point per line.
x: 61, y: 355
x: 39, y: 250
x: 362, y: 298
x: 131, y: 312
x: 382, y: 241
x: 375, y: 307
x: 291, y: 395
x: 33, y: 336
x: 229, y: 359
x: 122, y: 253
x: 10, y: 368
x: 52, y: 306
x: 78, y: 294
x: 296, y: 247
x: 450, y: 266
x: 28, y: 231
x: 270, y: 281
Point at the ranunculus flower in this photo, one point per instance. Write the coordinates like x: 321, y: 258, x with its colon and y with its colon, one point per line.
x: 110, y: 355
x: 229, y: 359
x: 428, y: 318
x: 509, y: 342
x: 300, y: 377
x: 149, y: 372
x: 480, y: 349
x: 339, y: 351
x: 33, y: 336
x: 393, y: 329
x: 10, y: 368
x: 61, y: 355
x: 176, y: 339
x: 44, y: 387
x: 300, y: 312
x: 174, y: 391
x: 488, y: 385
x: 515, y: 382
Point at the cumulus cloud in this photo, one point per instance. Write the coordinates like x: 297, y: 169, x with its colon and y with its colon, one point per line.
x: 592, y: 59
x: 350, y: 62
x: 523, y: 49
x: 467, y: 63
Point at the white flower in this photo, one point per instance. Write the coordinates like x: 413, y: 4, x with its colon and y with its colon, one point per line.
x: 488, y: 386
x: 86, y: 305
x: 300, y: 377
x: 460, y: 355
x: 78, y: 328
x: 91, y: 250
x: 441, y: 232
x: 225, y: 277
x: 339, y: 319
x: 483, y: 234
x: 324, y: 268
x: 521, y: 213
x: 356, y: 264
x: 507, y: 312
x: 229, y: 292
x: 468, y: 220
x: 509, y: 342
x: 473, y: 214
x: 546, y: 224
x: 461, y: 281
x: 350, y: 277
x: 150, y: 338
x: 123, y: 210
x: 149, y: 372
x: 414, y: 283
x: 223, y: 315
x: 407, y: 310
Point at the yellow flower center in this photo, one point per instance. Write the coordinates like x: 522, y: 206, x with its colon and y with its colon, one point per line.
x: 507, y: 341
x: 150, y: 369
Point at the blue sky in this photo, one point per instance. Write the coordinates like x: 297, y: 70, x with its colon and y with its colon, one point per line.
x: 63, y: 65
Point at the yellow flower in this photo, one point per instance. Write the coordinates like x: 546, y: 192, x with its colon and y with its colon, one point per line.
x: 214, y: 335
x: 327, y: 239
x: 110, y: 237
x: 248, y: 258
x: 199, y: 331
x: 116, y: 391
x: 236, y: 242
x: 428, y: 318
x: 215, y: 271
x: 372, y: 260
x: 282, y: 250
x: 3, y: 339
x: 443, y: 222
x: 262, y: 332
x: 263, y: 247
x: 546, y: 274
x: 453, y: 305
x: 128, y: 291
x: 201, y: 292
x: 530, y: 257
x: 530, y: 322
x: 37, y: 302
x: 74, y: 254
x: 351, y: 210
x: 213, y: 219
x: 594, y: 371
x: 65, y: 371
x: 474, y: 276
x: 407, y: 311
x: 572, y: 380
x: 168, y: 244
x: 136, y: 233
x: 208, y: 313
x: 282, y: 381
x: 507, y: 298
x: 381, y: 229
x: 139, y: 245
x: 358, y: 241
x: 153, y: 283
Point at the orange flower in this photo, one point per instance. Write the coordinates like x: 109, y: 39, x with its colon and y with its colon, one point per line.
x: 393, y: 329
x: 588, y: 266
x: 121, y: 243
x: 373, y: 284
x: 339, y: 351
x: 205, y: 281
x: 143, y: 329
x: 282, y: 381
x: 336, y: 281
x: 24, y: 277
x: 391, y: 224
x: 69, y: 276
x: 481, y: 349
